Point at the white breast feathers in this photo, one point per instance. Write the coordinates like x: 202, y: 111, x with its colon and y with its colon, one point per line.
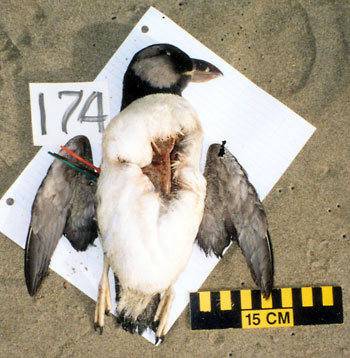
x: 148, y: 239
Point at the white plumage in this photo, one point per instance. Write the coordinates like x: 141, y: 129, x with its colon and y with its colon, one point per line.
x: 147, y: 239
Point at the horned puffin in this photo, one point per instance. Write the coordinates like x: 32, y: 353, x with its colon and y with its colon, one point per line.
x: 152, y: 203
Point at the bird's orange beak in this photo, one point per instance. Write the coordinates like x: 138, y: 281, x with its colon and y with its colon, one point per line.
x: 203, y: 71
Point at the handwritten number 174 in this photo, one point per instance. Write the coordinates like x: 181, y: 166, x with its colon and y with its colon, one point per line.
x: 82, y: 117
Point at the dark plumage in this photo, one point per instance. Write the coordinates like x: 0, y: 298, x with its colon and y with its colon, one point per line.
x: 144, y: 321
x: 151, y: 71
x: 163, y: 68
x: 233, y: 211
x: 64, y: 204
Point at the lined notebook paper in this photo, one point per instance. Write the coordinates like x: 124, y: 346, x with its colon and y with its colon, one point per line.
x: 260, y: 131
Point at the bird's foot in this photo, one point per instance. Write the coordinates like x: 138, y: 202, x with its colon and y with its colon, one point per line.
x: 159, y: 340
x: 163, y: 313
x: 103, y: 303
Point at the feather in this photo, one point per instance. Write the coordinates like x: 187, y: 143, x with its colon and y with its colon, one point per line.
x: 64, y: 204
x: 234, y: 211
x: 148, y: 236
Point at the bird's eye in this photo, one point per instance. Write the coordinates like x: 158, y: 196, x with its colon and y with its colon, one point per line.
x: 168, y: 53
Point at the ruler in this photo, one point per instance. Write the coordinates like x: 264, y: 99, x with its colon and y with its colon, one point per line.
x: 284, y: 308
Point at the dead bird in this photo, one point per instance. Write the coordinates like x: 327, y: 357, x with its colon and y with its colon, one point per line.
x: 152, y: 196
x: 152, y: 200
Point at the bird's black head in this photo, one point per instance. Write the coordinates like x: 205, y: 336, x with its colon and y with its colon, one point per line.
x: 163, y: 68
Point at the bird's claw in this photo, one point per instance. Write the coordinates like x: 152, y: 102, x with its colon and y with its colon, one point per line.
x: 159, y: 340
x: 98, y: 327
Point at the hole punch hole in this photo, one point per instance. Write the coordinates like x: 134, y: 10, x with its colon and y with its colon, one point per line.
x: 10, y: 201
x: 144, y: 29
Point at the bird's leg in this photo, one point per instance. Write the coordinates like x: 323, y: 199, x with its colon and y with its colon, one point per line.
x: 163, y: 312
x: 103, y: 303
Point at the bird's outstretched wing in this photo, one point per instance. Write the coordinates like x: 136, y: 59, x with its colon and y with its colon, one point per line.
x: 64, y: 204
x: 234, y: 211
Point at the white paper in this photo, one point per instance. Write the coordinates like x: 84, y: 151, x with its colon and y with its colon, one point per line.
x: 61, y: 111
x: 261, y: 132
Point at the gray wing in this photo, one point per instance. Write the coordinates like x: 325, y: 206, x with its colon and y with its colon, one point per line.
x: 64, y: 204
x: 234, y: 211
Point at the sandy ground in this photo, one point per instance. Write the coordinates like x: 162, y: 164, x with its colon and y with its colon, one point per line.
x: 298, y: 51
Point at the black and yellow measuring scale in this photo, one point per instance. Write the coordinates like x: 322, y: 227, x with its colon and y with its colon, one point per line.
x: 248, y: 308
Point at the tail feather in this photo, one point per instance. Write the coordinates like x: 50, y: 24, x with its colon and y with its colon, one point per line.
x: 129, y: 305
